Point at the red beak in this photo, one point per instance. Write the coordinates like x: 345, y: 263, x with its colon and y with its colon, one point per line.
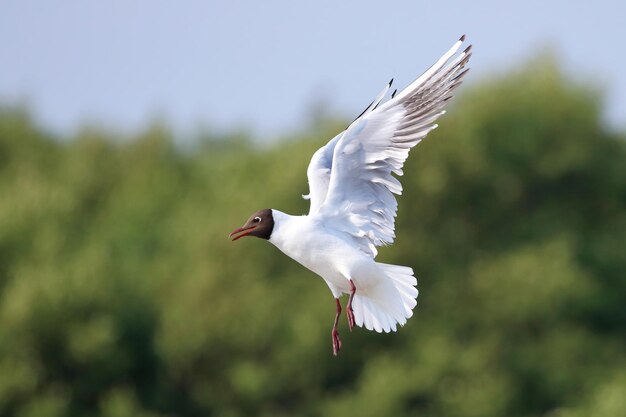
x: 245, y: 230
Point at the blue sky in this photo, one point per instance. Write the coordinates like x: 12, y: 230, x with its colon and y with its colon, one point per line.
x: 263, y: 65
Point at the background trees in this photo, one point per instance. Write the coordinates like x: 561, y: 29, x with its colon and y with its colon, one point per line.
x: 121, y: 295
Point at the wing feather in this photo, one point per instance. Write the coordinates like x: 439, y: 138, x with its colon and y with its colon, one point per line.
x: 351, y: 179
x: 318, y: 172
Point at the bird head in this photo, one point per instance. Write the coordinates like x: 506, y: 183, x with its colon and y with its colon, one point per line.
x: 260, y: 224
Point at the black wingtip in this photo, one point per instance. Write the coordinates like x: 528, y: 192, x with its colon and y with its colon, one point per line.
x: 466, y: 51
x: 390, y: 82
x: 394, y: 93
x: 462, y: 38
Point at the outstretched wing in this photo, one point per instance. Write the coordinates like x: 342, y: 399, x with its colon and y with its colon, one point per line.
x: 318, y: 172
x: 359, y: 199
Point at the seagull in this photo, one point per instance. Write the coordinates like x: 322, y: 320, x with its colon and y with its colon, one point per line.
x: 352, y: 203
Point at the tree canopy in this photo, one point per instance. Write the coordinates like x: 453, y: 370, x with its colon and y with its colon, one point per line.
x: 120, y: 294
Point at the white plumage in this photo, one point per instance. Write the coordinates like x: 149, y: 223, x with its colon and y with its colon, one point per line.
x: 353, y: 207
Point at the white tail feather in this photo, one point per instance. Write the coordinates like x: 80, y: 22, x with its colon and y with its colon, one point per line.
x: 389, y: 303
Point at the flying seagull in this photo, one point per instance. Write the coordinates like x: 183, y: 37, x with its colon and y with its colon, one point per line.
x: 352, y: 206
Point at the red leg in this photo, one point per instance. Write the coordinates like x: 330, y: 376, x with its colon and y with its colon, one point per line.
x: 335, y: 332
x: 349, y: 311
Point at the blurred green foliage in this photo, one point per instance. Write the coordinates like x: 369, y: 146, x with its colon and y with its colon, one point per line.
x: 120, y: 294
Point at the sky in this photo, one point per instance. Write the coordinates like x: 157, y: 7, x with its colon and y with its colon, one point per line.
x: 263, y: 66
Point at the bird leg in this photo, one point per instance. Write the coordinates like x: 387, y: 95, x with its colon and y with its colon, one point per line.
x: 349, y: 311
x: 335, y: 332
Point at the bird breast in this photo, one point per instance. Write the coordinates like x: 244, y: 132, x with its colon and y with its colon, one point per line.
x: 320, y: 249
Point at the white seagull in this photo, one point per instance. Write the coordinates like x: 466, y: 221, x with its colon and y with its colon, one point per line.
x: 352, y: 204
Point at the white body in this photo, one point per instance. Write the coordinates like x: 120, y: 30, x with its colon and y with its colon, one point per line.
x: 320, y: 249
x: 385, y: 293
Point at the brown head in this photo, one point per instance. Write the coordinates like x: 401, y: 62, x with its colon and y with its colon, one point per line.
x: 260, y: 224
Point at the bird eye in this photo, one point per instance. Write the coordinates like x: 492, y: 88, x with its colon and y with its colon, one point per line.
x: 257, y: 220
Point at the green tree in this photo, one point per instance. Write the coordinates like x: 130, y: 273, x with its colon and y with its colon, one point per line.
x: 121, y: 295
